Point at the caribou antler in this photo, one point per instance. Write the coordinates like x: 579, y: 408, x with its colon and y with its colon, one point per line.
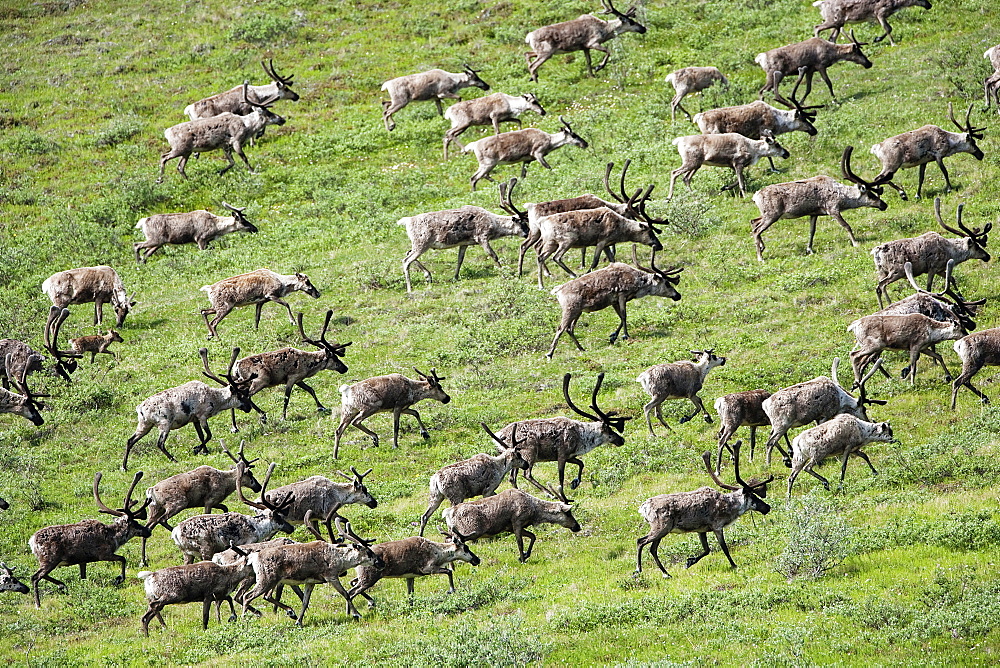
x: 273, y: 73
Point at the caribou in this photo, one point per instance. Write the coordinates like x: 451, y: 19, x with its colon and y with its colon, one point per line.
x: 193, y: 401
x: 509, y: 511
x: 913, y: 332
x: 601, y: 228
x: 729, y: 149
x: 976, y: 350
x: 806, y: 58
x: 690, y: 80
x: 754, y: 119
x: 741, y: 409
x: 96, y: 343
x: 815, y: 197
x: 431, y: 85
x: 615, y: 286
x: 837, y: 13
x: 204, y: 582
x: 310, y: 564
x: 411, y: 558
x: 930, y: 254
x: 523, y: 146
x: 203, y: 536
x: 582, y: 34
x: 204, y: 487
x: 200, y: 227
x: 564, y: 440
x: 815, y: 400
x: 17, y: 360
x: 87, y: 541
x: 233, y: 100
x: 462, y: 227
x: 253, y: 288
x: 629, y: 206
x: 382, y: 394
x: 479, y: 475
x: 291, y: 367
x: 227, y: 131
x: 489, y: 110
x: 701, y: 511
x: 843, y: 435
x: 918, y: 148
x: 678, y: 380
x: 100, y: 285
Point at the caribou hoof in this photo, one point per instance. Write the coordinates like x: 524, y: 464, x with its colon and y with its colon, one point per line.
x: 684, y: 419
x: 426, y: 436
x: 263, y: 418
x: 119, y: 580
x: 947, y: 378
x: 691, y: 561
x: 234, y: 430
x: 573, y: 484
x: 708, y: 419
x: 291, y: 615
x: 826, y: 485
x: 232, y: 618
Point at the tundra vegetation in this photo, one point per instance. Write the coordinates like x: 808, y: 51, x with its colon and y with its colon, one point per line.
x: 86, y: 90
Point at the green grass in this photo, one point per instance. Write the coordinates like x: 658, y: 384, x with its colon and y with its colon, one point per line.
x: 85, y: 92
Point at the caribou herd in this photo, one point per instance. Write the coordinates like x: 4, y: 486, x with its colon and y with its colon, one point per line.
x: 235, y: 557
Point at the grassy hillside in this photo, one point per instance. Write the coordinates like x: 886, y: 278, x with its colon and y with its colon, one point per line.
x: 86, y: 89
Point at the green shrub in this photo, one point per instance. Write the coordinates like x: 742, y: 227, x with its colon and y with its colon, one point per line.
x: 508, y: 641
x: 263, y: 29
x: 818, y: 539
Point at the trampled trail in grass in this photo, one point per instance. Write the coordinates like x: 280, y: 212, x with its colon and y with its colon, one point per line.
x: 86, y: 90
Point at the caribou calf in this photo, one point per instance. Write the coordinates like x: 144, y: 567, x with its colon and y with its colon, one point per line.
x: 255, y: 287
x: 519, y: 146
x: 96, y: 343
x: 689, y: 80
x: 431, y: 85
x: 843, y: 435
x: 729, y: 149
x: 701, y: 511
x: 509, y: 511
x: 678, y: 380
x: 382, y: 394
